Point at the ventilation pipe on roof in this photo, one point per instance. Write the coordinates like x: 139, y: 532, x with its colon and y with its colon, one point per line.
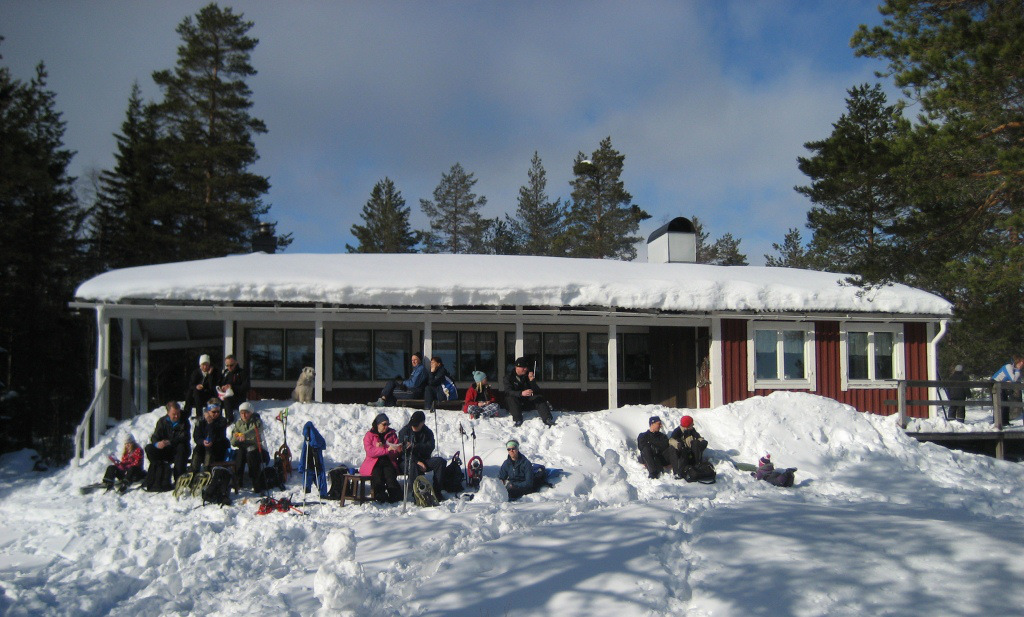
x: 674, y: 242
x: 265, y: 241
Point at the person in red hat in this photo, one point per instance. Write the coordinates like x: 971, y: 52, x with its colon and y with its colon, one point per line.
x: 688, y: 442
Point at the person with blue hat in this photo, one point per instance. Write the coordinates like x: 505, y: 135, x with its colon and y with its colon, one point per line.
x: 481, y: 401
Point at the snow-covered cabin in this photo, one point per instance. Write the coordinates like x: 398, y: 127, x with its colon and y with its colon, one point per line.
x: 602, y: 333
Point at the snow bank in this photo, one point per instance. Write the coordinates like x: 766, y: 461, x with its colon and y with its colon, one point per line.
x: 422, y: 280
x: 877, y: 524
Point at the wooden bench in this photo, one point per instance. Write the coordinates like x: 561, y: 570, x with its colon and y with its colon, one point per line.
x: 354, y: 488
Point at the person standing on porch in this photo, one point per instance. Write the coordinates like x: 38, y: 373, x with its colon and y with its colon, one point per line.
x: 522, y: 393
x: 233, y: 388
x: 202, y: 385
x: 1010, y: 373
x: 410, y: 388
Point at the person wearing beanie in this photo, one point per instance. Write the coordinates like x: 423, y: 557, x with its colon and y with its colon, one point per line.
x: 523, y: 394
x: 381, y: 463
x: 481, y: 400
x: 688, y: 443
x: 411, y: 388
x: 957, y: 394
x: 655, y: 451
x: 210, y: 438
x: 419, y: 444
x: 517, y: 472
x: 202, y: 385
x: 248, y: 437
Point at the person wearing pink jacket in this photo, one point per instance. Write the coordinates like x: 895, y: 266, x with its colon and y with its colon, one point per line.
x: 381, y: 463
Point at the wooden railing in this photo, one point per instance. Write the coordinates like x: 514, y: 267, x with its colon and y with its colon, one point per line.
x: 996, y: 397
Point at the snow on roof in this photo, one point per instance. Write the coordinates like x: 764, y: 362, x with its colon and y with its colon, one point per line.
x: 500, y: 280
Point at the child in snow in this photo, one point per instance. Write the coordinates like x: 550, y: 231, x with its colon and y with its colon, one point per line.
x: 481, y: 400
x: 381, y: 462
x: 766, y: 471
x: 127, y: 469
x: 688, y: 443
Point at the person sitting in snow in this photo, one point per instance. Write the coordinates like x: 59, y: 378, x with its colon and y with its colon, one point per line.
x: 655, y: 451
x: 418, y: 440
x: 517, y: 473
x: 440, y: 386
x: 202, y: 384
x: 410, y: 388
x: 381, y: 463
x: 522, y: 393
x: 688, y: 443
x: 766, y: 471
x: 481, y: 400
x: 247, y: 437
x: 169, y: 445
x: 210, y: 438
x: 126, y: 469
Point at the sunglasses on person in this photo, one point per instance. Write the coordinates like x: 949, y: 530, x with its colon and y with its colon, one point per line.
x: 513, y: 449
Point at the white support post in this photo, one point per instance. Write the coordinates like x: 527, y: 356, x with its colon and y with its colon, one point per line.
x: 715, y: 363
x: 144, y: 373
x: 520, y: 346
x: 127, y: 391
x: 428, y: 341
x: 318, y: 350
x: 613, y: 368
x: 99, y: 421
x: 229, y: 337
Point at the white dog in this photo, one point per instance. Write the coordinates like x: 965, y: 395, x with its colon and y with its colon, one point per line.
x: 303, y: 392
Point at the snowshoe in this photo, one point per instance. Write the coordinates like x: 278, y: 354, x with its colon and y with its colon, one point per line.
x: 423, y: 492
x: 474, y: 472
x: 183, y: 486
x: 199, y: 482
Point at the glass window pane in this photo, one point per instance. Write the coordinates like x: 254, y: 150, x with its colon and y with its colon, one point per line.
x: 857, y: 355
x: 478, y: 352
x: 352, y: 355
x: 446, y: 347
x: 531, y: 349
x: 391, y: 353
x: 597, y: 357
x: 264, y: 354
x: 561, y: 356
x: 300, y: 352
x: 636, y: 358
x: 793, y: 354
x: 765, y: 358
x: 884, y: 346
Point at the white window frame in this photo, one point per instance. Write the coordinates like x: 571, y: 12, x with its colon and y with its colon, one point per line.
x: 898, y: 351
x: 809, y: 380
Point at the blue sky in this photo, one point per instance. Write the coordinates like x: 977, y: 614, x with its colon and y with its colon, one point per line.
x: 710, y: 102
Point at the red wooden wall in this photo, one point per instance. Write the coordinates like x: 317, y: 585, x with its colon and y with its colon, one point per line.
x: 828, y: 381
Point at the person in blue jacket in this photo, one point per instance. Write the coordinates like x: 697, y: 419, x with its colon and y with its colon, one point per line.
x: 1010, y: 373
x: 440, y: 386
x: 517, y: 472
x: 405, y: 389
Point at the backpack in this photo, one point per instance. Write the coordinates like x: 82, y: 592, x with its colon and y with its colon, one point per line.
x: 540, y: 476
x: 336, y: 477
x: 218, y: 489
x: 159, y: 477
x: 452, y: 479
x: 272, y: 478
x: 703, y: 472
x: 449, y: 390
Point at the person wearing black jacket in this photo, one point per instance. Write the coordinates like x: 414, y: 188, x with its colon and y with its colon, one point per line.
x: 235, y: 378
x: 522, y: 393
x: 210, y: 438
x: 169, y: 445
x: 202, y: 384
x: 421, y: 440
x: 655, y: 451
x: 436, y: 388
x: 688, y: 443
x: 957, y: 412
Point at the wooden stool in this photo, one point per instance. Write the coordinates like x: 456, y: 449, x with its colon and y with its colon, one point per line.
x: 236, y: 479
x: 354, y: 487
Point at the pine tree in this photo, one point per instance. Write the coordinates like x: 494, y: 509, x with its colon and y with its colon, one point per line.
x: 127, y: 210
x: 791, y: 253
x: 385, y: 227
x: 539, y: 222
x: 858, y: 201
x: 39, y: 263
x: 208, y: 135
x: 602, y: 220
x: 704, y: 248
x: 500, y: 239
x: 456, y: 225
x: 725, y: 251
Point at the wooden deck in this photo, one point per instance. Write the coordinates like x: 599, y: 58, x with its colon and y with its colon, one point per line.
x: 1004, y: 445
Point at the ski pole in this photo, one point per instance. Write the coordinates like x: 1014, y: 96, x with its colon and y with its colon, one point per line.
x: 437, y: 435
x: 462, y: 434
x: 408, y: 478
x: 305, y: 472
x: 472, y: 427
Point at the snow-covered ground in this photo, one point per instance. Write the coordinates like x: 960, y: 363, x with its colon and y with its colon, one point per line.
x: 877, y: 524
